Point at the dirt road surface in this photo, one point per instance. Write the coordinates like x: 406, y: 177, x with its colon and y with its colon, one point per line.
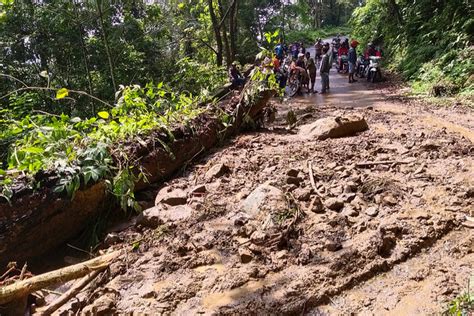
x: 245, y: 232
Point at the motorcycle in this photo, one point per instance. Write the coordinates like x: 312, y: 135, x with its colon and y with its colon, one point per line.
x: 294, y: 84
x: 373, y: 71
x: 362, y: 65
x: 343, y: 64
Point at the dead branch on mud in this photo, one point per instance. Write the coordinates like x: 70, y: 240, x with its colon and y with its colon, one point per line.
x: 382, y: 162
x: 66, y: 296
x: 23, y: 288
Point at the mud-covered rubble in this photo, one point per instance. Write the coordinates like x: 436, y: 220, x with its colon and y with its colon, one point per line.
x: 246, y: 230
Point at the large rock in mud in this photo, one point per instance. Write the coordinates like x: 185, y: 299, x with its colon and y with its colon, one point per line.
x: 264, y: 199
x: 334, y: 127
x: 158, y: 215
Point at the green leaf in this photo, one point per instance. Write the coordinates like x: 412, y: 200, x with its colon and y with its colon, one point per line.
x: 181, y: 6
x: 62, y: 93
x: 103, y: 114
x: 3, y: 172
x: 34, y: 150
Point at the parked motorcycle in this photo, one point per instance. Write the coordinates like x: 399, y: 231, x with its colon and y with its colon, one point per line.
x: 373, y: 71
x: 361, y: 65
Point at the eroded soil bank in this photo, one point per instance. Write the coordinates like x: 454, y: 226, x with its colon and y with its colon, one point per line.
x: 246, y: 232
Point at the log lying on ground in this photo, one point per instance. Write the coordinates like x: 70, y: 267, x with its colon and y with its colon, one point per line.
x: 36, y: 222
x: 21, y: 289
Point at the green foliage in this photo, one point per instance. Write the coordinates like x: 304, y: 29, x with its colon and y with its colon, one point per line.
x: 308, y: 37
x: 429, y: 43
x: 462, y: 305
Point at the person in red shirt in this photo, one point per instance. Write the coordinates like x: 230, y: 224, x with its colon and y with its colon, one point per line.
x: 342, y: 51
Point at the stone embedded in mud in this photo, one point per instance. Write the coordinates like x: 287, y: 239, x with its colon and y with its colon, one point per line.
x: 316, y: 205
x: 334, y: 204
x: 389, y: 199
x: 302, y: 194
x: 264, y: 197
x: 158, y: 215
x: 171, y: 196
x: 372, y: 211
x: 332, y: 245
x: 245, y: 255
x: 334, y: 127
x: 199, y: 189
x: 347, y: 197
x: 292, y: 173
x: 294, y: 180
x: 217, y: 171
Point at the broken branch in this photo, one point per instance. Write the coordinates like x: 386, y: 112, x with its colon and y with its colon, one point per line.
x: 382, y: 162
x: 66, y: 296
x: 23, y: 288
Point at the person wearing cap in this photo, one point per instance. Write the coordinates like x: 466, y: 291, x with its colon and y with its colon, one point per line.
x: 352, y: 59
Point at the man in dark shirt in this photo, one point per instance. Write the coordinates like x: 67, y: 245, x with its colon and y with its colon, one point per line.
x: 324, y: 69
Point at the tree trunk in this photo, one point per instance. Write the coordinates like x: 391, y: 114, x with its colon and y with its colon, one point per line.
x: 217, y: 33
x: 106, y: 43
x: 84, y: 56
x: 224, y: 33
x: 233, y: 30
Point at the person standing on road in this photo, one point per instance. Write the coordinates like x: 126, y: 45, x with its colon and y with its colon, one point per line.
x: 324, y: 70
x: 352, y: 59
x: 311, y: 66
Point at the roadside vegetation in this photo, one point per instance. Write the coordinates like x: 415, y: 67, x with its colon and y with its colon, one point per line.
x: 429, y: 43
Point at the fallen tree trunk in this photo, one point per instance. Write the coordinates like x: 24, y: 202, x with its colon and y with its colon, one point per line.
x: 38, y: 221
x: 21, y: 289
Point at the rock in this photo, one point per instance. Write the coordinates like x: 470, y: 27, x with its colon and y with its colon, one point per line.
x: 104, y: 305
x: 199, y: 189
x: 332, y: 245
x: 245, y: 255
x: 350, y: 211
x: 350, y: 187
x: 389, y: 199
x: 334, y: 127
x: 240, y: 219
x: 302, y: 194
x: 347, y: 197
x: 334, y: 204
x: 217, y: 171
x: 282, y: 254
x: 316, y: 205
x: 294, y: 180
x: 158, y: 215
x: 170, y: 196
x: 264, y: 198
x: 292, y: 173
x: 470, y: 193
x: 372, y: 211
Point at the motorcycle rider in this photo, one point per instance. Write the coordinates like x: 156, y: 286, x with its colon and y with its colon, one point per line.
x: 343, y: 51
x: 370, y: 51
x: 352, y: 60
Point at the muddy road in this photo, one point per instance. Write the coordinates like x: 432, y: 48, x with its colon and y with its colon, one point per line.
x: 278, y: 222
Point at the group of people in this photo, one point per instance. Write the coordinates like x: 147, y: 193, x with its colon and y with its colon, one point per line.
x: 300, y: 61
